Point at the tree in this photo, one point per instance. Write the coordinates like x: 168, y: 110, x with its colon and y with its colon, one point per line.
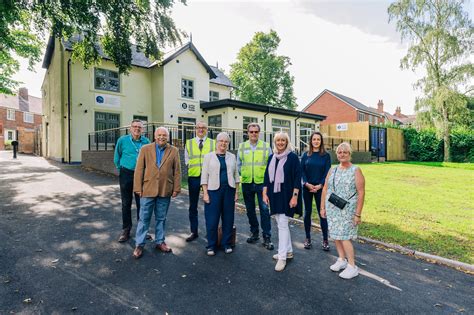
x: 261, y: 76
x: 440, y: 35
x: 113, y: 24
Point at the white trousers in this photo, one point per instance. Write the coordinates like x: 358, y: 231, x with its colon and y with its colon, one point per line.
x: 284, y: 238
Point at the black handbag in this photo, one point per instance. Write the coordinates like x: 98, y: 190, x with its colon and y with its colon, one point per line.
x: 334, y: 198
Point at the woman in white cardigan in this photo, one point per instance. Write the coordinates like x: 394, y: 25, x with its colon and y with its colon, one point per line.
x: 219, y: 180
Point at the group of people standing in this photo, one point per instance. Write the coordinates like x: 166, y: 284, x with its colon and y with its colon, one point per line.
x: 272, y: 174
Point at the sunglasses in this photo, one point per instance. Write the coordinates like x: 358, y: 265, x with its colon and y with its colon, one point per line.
x: 253, y: 131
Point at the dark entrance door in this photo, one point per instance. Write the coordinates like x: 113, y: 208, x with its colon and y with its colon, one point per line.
x: 378, y: 142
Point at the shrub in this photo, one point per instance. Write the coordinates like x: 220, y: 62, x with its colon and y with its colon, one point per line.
x: 424, y: 145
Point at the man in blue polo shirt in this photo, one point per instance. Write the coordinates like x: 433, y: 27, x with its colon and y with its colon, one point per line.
x: 125, y: 159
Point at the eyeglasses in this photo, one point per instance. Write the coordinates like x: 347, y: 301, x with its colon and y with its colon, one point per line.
x: 201, y: 128
x: 138, y: 127
x: 253, y: 131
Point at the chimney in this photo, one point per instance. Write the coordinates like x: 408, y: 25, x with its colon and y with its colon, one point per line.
x: 398, y: 112
x: 23, y: 99
x: 380, y: 107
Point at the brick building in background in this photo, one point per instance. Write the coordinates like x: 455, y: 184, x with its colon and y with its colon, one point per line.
x: 20, y: 119
x: 342, y: 109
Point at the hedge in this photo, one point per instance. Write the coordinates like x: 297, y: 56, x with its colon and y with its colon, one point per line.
x: 424, y: 145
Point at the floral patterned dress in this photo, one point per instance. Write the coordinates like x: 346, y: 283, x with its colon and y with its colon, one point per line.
x: 340, y: 221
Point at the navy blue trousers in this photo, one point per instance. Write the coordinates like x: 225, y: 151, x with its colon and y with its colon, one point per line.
x: 308, y: 207
x: 221, y: 206
x: 194, y: 187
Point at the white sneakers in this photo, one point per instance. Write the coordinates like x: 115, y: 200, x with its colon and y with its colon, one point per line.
x: 289, y: 255
x: 280, y: 265
x: 339, y: 265
x: 349, y: 270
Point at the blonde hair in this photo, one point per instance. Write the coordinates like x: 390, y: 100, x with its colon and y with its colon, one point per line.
x: 345, y: 145
x: 282, y: 135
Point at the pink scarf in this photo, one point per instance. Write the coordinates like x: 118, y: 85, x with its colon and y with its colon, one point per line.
x: 278, y: 176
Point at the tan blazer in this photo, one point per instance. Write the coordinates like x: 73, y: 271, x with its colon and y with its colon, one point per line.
x: 152, y: 181
x: 211, y: 167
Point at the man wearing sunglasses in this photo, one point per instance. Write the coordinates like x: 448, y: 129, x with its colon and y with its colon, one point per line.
x: 125, y: 160
x: 252, y: 160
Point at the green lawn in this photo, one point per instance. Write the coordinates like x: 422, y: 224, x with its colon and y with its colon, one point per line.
x: 424, y: 206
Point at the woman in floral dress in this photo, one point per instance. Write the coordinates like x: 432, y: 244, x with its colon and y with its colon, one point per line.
x: 346, y: 181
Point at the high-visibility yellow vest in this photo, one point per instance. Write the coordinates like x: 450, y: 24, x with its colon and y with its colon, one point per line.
x: 254, y: 162
x: 196, y: 156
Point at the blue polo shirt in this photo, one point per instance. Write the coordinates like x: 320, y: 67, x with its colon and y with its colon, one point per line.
x: 126, y: 151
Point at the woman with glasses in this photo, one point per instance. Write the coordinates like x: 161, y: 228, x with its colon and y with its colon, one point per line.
x: 342, y: 201
x: 219, y: 180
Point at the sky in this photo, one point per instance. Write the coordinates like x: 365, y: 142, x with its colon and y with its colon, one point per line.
x: 346, y: 46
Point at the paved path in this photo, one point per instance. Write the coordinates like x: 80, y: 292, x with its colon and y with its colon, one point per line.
x: 59, y: 254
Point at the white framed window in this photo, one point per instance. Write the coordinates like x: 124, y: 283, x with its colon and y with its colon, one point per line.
x: 213, y: 96
x: 11, y: 135
x: 214, y: 121
x: 281, y: 125
x: 187, y: 88
x: 247, y: 120
x: 28, y: 118
x: 362, y: 117
x: 10, y: 114
x: 106, y: 80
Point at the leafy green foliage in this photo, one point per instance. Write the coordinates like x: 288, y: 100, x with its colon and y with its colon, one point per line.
x: 440, y: 35
x: 261, y: 76
x: 424, y: 145
x: 113, y: 24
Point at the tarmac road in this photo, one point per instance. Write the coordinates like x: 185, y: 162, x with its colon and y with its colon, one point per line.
x: 59, y: 255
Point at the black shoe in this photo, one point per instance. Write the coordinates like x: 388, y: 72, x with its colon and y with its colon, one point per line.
x: 325, y: 246
x: 307, y: 243
x: 149, y: 237
x: 267, y: 243
x: 192, y: 237
x: 253, y: 238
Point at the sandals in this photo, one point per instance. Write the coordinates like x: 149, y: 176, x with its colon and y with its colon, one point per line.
x: 138, y: 252
x: 307, y: 243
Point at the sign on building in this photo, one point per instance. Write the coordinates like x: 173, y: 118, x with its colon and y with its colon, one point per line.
x: 341, y: 127
x: 107, y: 100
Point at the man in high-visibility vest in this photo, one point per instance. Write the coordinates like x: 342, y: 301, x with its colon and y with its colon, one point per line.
x: 252, y: 160
x: 196, y: 148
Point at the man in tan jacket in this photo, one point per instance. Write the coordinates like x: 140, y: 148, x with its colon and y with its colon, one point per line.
x: 157, y: 179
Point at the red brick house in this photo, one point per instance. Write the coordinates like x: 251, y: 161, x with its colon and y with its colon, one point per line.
x: 342, y: 109
x: 20, y: 116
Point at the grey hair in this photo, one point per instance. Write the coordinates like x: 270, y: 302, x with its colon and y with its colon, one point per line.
x: 285, y: 136
x: 163, y: 128
x: 223, y: 135
x: 202, y: 123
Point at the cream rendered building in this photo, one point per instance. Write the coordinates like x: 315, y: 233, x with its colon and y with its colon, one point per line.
x: 182, y: 88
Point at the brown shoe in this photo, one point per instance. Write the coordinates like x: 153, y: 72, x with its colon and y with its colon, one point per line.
x: 138, y: 252
x: 192, y: 237
x: 124, y: 236
x: 163, y: 247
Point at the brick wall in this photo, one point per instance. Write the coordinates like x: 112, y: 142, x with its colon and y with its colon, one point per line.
x: 25, y: 130
x: 336, y: 110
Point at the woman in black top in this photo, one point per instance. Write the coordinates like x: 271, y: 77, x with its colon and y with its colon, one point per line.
x: 315, y: 165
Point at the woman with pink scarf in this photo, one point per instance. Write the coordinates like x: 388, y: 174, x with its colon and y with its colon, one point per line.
x: 282, y: 192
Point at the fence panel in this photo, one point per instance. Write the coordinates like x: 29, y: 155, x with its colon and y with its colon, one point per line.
x: 395, y: 145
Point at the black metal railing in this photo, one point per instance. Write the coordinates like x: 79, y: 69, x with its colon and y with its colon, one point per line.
x: 105, y: 140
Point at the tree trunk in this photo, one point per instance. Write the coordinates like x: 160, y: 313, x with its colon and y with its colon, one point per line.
x: 446, y: 132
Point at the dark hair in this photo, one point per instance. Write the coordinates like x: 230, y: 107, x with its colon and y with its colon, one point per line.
x: 322, y: 151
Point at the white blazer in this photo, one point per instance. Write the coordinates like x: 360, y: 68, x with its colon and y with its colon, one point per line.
x: 211, y: 169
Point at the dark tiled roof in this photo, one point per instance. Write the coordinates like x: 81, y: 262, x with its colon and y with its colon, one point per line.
x: 354, y: 103
x: 221, y: 79
x: 138, y: 58
x: 259, y: 108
